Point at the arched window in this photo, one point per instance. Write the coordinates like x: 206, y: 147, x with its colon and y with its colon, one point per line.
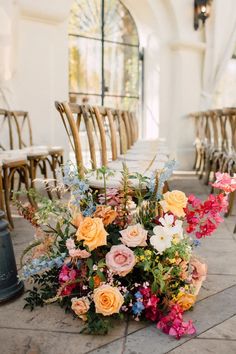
x: 104, y: 66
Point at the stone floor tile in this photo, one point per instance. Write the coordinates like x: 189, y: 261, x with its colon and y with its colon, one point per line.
x: 214, y: 284
x: 225, y: 330
x: 206, y: 314
x: 18, y: 341
x: 203, y: 346
x: 219, y: 255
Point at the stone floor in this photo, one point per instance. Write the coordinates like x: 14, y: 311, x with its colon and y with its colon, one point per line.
x: 49, y: 331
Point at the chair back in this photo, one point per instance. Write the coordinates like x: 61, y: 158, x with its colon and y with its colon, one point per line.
x: 6, y: 131
x: 22, y: 129
x: 71, y: 119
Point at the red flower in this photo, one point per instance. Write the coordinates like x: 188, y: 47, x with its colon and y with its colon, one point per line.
x: 204, y: 217
x: 174, y: 325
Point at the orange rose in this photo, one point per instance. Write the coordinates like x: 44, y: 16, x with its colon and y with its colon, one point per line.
x: 107, y: 214
x: 175, y: 202
x: 185, y: 301
x: 77, y: 218
x: 108, y: 300
x: 80, y: 306
x: 92, y: 232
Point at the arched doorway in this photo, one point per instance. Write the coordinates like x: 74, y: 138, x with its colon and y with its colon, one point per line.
x: 104, y: 58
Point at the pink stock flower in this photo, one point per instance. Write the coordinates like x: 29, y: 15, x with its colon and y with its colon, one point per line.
x: 225, y: 182
x: 77, y: 253
x: 112, y: 196
x: 66, y: 275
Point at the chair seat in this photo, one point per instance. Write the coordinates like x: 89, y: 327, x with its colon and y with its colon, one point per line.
x: 12, y: 161
x: 55, y: 150
x: 37, y: 152
x: 144, y: 157
x: 111, y: 182
x: 142, y: 167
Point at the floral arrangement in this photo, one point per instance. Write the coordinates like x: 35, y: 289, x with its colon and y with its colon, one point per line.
x: 121, y: 252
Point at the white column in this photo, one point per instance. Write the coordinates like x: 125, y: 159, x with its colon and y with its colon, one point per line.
x: 183, y: 98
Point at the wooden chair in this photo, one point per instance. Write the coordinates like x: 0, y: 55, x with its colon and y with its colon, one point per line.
x: 38, y: 156
x: 14, y: 164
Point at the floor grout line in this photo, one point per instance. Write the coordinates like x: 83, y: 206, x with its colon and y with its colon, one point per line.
x: 104, y: 345
x: 218, y: 339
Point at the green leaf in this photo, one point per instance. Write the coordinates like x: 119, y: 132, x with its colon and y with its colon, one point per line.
x: 154, y: 287
x: 89, y: 263
x: 91, y: 283
x: 101, y: 275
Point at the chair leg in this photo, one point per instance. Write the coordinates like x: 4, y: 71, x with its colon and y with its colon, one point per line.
x: 7, y: 195
x: 231, y: 204
x: 25, y: 179
x: 57, y: 161
x: 2, y: 206
x: 43, y: 169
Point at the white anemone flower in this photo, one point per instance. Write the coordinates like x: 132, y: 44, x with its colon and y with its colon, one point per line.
x: 161, y: 240
x: 175, y: 229
x: 167, y: 221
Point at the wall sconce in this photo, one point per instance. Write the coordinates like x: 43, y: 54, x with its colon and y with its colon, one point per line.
x: 201, y: 11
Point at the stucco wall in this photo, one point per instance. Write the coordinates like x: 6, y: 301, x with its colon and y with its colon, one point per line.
x: 173, y: 67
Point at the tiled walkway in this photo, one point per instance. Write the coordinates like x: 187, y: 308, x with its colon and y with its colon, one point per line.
x: 49, y: 331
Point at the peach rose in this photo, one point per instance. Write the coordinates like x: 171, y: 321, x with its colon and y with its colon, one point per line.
x: 92, y: 232
x: 198, y: 274
x: 80, y: 306
x: 175, y: 202
x: 108, y: 300
x: 120, y: 260
x: 134, y: 236
x: 199, y: 269
x: 106, y: 213
x: 185, y: 300
x: 77, y: 218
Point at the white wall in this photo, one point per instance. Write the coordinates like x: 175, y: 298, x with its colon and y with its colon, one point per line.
x: 173, y: 68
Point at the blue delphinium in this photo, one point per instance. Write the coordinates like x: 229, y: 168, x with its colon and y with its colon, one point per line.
x: 163, y: 177
x: 138, y: 295
x: 38, y: 265
x: 79, y: 188
x: 137, y: 308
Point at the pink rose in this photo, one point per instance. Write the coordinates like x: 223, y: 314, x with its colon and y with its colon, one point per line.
x: 120, y: 260
x: 134, y: 236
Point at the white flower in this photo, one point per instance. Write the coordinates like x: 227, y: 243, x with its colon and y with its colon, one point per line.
x: 175, y: 230
x: 167, y: 221
x: 161, y: 240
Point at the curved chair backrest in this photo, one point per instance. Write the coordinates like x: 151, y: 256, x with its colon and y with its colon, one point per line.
x: 6, y: 131
x: 71, y: 118
x: 105, y: 119
x: 23, y: 129
x: 127, y: 122
x: 123, y: 136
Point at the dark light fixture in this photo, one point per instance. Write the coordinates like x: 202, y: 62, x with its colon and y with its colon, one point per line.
x: 201, y: 11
